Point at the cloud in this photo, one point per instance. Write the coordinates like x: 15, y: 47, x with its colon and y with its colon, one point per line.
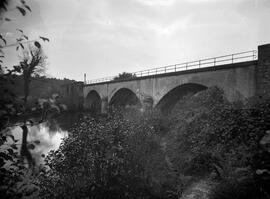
x: 209, y: 1
x: 157, y: 2
x: 105, y: 37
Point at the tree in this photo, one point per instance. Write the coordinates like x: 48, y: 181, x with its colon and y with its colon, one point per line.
x: 14, y: 173
x: 33, y: 63
x: 124, y: 75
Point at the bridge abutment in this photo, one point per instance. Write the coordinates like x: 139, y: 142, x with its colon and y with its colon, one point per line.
x: 263, y: 71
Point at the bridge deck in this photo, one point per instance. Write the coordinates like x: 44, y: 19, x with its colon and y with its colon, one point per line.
x: 233, y: 60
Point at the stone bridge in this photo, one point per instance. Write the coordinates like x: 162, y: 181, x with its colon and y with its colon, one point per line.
x: 240, y: 75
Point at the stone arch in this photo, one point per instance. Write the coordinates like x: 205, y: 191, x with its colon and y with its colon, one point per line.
x: 124, y: 97
x: 92, y: 101
x: 169, y: 100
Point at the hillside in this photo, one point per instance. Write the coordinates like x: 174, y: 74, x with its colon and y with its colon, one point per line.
x: 40, y: 87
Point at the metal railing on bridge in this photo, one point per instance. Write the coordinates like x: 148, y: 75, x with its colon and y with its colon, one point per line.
x: 203, y: 63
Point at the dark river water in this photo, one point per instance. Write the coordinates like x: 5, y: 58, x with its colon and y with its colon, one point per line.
x: 48, y: 135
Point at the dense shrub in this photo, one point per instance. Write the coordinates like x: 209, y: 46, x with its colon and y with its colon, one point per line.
x: 210, y: 136
x: 107, y: 158
x: 246, y: 189
x: 147, y: 155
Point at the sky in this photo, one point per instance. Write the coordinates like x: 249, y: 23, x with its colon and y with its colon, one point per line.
x: 106, y: 37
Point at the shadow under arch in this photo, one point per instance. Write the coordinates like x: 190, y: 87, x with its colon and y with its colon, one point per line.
x: 169, y: 100
x: 93, y: 102
x: 124, y: 98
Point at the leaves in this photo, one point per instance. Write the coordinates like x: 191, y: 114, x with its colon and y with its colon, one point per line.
x: 31, y: 146
x: 37, y: 44
x: 21, y: 45
x: 124, y: 75
x: 15, y: 181
x: 17, y: 69
x: 5, y: 156
x: 2, y: 162
x: 44, y: 39
x: 14, y: 146
x: 31, y: 122
x: 21, y: 31
x: 11, y: 136
x: 2, y: 38
x: 25, y: 37
x: 108, y: 160
x: 19, y: 39
x: 27, y: 7
x: 22, y: 11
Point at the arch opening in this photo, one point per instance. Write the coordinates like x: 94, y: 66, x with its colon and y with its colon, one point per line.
x: 93, y: 102
x: 169, y: 100
x: 124, y: 98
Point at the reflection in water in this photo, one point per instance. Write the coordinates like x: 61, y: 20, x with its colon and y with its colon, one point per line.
x: 46, y: 136
x: 43, y: 139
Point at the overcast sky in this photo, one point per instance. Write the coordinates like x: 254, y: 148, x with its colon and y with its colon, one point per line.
x: 105, y: 37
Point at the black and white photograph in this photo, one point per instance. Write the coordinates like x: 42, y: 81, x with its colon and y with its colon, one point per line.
x: 135, y: 99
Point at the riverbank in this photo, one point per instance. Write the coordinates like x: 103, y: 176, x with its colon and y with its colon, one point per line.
x: 205, y: 143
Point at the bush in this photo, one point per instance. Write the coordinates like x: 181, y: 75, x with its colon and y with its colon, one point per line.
x: 147, y: 155
x: 210, y: 135
x: 106, y: 158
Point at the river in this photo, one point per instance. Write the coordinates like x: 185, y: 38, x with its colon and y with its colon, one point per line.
x: 47, y: 135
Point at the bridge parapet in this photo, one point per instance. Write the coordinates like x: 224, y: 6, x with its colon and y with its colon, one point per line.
x: 202, y: 63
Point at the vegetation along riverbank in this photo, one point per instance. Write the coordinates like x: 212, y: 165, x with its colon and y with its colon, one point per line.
x: 207, y: 147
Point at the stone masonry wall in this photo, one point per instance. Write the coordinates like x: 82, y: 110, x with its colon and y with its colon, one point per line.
x: 263, y: 71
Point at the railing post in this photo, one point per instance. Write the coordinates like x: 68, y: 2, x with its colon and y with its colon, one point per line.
x: 175, y: 68
x: 141, y: 73
x: 214, y: 61
x: 148, y: 72
x: 186, y: 66
x: 232, y: 58
x: 165, y: 69
x: 156, y: 71
x: 199, y: 63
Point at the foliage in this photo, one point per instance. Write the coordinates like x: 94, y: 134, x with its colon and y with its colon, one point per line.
x: 240, y: 190
x: 22, y: 7
x: 146, y: 155
x: 110, y: 158
x: 32, y: 63
x: 33, y: 60
x: 124, y: 75
x: 211, y: 137
x: 16, y: 178
x: 40, y: 87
